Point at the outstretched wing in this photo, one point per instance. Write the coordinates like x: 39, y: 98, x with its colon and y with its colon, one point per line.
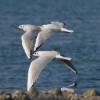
x: 57, y: 23
x: 27, y: 42
x: 35, y: 69
x: 41, y: 38
x: 67, y: 61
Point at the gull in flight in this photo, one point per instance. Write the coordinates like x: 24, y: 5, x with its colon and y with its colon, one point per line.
x: 37, y: 65
x: 47, y: 31
x: 41, y: 33
x: 28, y: 37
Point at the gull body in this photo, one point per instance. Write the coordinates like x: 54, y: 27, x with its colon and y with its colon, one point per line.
x: 47, y: 31
x: 28, y: 37
x: 37, y: 65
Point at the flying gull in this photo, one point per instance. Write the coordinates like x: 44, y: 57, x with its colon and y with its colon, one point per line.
x: 37, y: 65
x: 47, y: 31
x: 28, y: 37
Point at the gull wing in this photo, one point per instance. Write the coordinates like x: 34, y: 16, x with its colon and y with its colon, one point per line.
x: 67, y: 61
x: 41, y: 38
x: 35, y: 69
x: 57, y: 23
x: 27, y: 42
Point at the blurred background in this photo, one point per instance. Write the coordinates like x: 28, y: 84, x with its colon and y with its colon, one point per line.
x: 83, y: 45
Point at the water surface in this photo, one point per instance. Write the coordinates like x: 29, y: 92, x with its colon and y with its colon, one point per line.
x: 83, y: 45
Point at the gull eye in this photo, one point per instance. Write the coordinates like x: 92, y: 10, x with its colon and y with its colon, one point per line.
x: 35, y: 53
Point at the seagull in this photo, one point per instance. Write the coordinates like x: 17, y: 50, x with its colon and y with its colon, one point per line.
x: 28, y: 37
x: 37, y: 65
x: 47, y: 31
x: 39, y: 34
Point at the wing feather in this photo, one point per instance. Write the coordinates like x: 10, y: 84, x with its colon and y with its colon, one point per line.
x: 27, y: 43
x: 67, y: 61
x: 70, y: 65
x: 42, y: 38
x: 35, y: 69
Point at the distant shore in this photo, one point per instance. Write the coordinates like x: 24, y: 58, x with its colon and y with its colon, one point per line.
x: 52, y: 94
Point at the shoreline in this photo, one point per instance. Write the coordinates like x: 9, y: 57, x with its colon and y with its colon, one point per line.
x: 52, y: 94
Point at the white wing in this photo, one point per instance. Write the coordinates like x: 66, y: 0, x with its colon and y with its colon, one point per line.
x: 61, y: 57
x: 41, y: 38
x: 67, y: 61
x: 57, y: 23
x: 27, y: 42
x: 35, y: 69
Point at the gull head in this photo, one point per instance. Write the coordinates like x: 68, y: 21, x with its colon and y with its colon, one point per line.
x: 40, y: 53
x: 35, y: 54
x: 21, y: 26
x: 27, y: 27
x: 46, y: 53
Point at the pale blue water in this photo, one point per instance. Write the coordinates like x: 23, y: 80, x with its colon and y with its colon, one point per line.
x: 83, y: 16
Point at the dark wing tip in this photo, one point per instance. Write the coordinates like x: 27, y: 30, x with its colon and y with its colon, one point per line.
x: 76, y: 72
x: 31, y: 53
x: 71, y: 66
x: 37, y: 48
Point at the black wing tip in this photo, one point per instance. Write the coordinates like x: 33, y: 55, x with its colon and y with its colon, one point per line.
x: 30, y: 58
x: 37, y: 48
x: 71, y: 66
x: 76, y: 72
x: 31, y: 53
